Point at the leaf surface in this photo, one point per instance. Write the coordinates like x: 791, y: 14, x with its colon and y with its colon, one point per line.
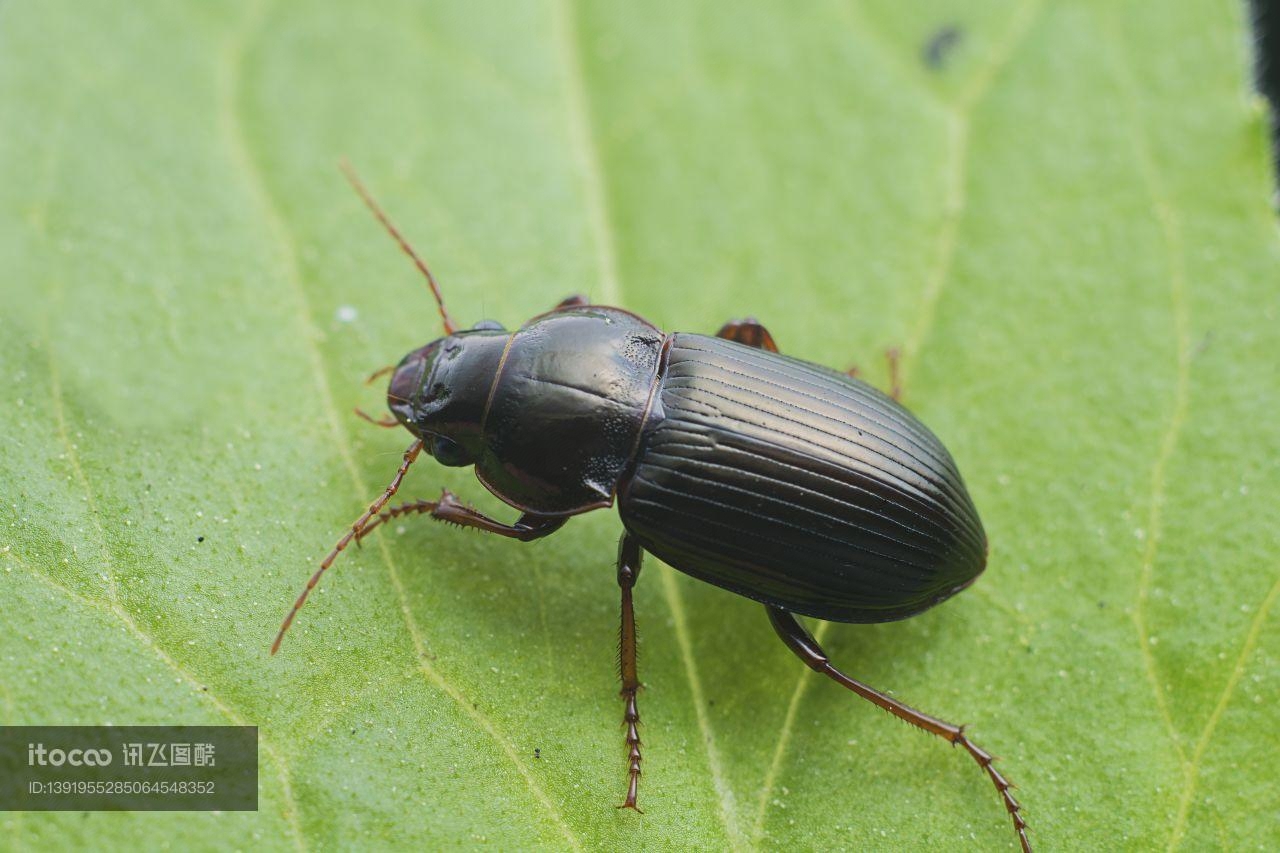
x: 1058, y: 211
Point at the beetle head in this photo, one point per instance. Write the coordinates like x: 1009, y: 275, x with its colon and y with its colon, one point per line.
x: 439, y: 392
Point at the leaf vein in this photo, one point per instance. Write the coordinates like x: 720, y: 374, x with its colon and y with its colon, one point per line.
x: 784, y: 743
x: 586, y: 152
x: 1224, y: 700
x: 592, y: 175
x: 724, y: 794
x: 1171, y: 234
x: 239, y: 145
x: 116, y: 609
x: 115, y: 606
x: 955, y: 198
x: 954, y: 202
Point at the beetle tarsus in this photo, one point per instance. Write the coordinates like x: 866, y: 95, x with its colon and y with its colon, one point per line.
x: 629, y: 558
x: 805, y: 647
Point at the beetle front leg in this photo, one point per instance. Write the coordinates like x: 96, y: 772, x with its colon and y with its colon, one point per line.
x: 449, y: 509
x: 629, y: 555
x: 749, y: 332
x: 802, y: 643
x: 386, y: 423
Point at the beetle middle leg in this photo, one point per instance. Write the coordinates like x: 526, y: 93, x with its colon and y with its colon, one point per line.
x: 805, y: 647
x: 893, y: 356
x: 629, y: 556
x: 452, y: 511
x: 748, y: 331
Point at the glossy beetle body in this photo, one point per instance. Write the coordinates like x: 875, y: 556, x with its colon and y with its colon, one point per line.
x: 798, y: 486
x: 774, y: 478
x: 780, y: 480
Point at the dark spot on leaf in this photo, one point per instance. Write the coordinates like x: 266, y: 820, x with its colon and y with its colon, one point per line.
x: 199, y: 538
x: 939, y: 46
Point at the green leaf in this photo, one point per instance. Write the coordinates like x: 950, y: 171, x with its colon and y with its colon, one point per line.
x: 1058, y: 210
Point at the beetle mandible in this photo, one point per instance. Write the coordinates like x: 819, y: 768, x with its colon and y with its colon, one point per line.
x: 786, y: 482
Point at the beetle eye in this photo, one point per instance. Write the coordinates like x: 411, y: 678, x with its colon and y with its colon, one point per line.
x: 488, y: 326
x: 448, y: 452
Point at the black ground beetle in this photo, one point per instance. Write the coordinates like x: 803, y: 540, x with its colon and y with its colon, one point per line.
x: 789, y: 483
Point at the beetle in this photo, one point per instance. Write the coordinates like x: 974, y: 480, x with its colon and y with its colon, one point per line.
x: 789, y: 483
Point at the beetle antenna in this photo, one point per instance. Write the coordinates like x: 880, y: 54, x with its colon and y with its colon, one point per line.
x: 381, y: 371
x: 358, y: 185
x: 374, y: 508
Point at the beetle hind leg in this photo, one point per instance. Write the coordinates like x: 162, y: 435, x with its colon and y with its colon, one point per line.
x: 629, y: 556
x: 805, y: 647
x: 748, y: 331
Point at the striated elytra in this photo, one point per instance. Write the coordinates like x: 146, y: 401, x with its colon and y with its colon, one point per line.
x: 797, y: 486
x: 789, y: 483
